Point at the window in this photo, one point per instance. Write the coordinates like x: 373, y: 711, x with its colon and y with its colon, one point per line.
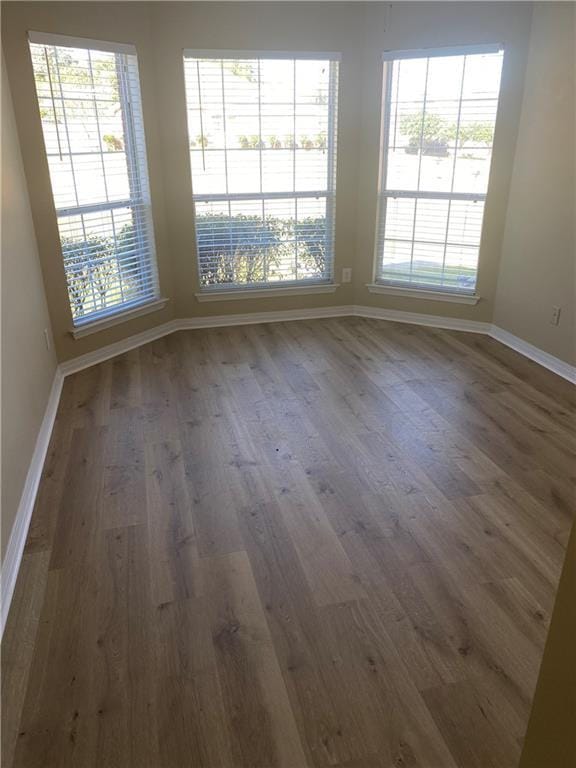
x: 262, y: 133
x: 89, y: 99
x: 438, y: 124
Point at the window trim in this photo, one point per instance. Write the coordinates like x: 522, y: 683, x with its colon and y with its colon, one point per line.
x: 138, y: 309
x: 119, y: 313
x: 414, y: 292
x: 217, y: 293
x: 278, y: 287
x: 378, y: 285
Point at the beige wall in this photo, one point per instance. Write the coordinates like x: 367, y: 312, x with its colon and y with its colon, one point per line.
x: 360, y: 31
x: 27, y: 365
x: 537, y: 269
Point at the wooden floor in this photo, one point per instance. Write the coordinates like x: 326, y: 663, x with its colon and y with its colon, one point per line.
x: 323, y: 543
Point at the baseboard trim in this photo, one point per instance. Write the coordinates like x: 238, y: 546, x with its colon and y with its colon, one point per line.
x: 415, y: 318
x: 554, y: 364
x: 15, y: 548
x: 252, y: 318
x: 118, y: 348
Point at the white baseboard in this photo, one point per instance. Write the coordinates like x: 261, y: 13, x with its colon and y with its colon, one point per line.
x: 112, y: 350
x: 536, y: 354
x: 415, y: 318
x: 15, y: 548
x: 251, y: 318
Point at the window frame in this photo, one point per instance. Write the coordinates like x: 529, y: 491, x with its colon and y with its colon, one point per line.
x: 414, y: 289
x: 137, y: 174
x: 262, y: 289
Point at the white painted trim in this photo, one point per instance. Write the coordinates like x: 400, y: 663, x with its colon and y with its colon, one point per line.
x: 417, y: 318
x: 536, y: 354
x: 17, y: 540
x: 15, y: 548
x: 251, y: 318
x: 85, y: 329
x: 424, y: 293
x: 76, y: 364
x: 264, y: 293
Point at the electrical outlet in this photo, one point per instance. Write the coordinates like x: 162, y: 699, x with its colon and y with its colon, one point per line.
x: 347, y: 275
x: 555, y: 319
x: 47, y: 338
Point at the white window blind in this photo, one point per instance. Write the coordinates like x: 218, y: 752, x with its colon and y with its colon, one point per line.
x: 439, y: 113
x: 89, y: 99
x: 262, y: 133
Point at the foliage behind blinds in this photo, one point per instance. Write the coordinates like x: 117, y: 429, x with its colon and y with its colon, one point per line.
x: 263, y: 146
x: 439, y: 118
x: 93, y: 132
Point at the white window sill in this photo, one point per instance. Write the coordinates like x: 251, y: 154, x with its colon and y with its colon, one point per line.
x: 120, y: 317
x: 423, y: 293
x: 264, y: 293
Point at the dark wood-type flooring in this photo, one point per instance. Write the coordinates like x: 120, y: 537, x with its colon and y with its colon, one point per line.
x: 323, y: 543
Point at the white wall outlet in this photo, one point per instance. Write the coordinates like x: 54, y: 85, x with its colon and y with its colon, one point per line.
x: 555, y: 318
x: 47, y: 337
x: 347, y: 275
